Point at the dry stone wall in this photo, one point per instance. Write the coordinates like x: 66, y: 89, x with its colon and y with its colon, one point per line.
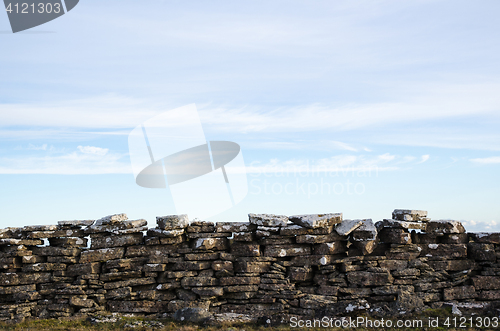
x: 273, y: 266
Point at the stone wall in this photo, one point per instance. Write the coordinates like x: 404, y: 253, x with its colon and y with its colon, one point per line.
x: 278, y: 266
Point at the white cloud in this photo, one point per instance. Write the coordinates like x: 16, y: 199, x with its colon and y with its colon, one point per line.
x: 425, y: 158
x: 487, y: 160
x: 88, y: 160
x: 474, y: 226
x: 93, y: 150
x: 334, y: 164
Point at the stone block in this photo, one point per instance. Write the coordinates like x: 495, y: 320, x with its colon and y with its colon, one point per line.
x: 318, y: 239
x: 367, y: 231
x: 287, y: 250
x: 235, y: 227
x: 314, y: 221
x: 330, y: 248
x: 395, y: 236
x: 117, y: 241
x: 245, y: 249
x: 347, y: 226
x: 102, y: 255
x: 137, y: 306
x: 445, y: 226
x: 481, y: 252
x: 409, y: 215
x: 485, y: 237
x: 459, y: 293
x: 486, y: 282
x: 210, y: 244
x: 268, y: 219
x: 365, y: 278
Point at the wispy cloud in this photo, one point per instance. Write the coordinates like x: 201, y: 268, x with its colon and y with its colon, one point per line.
x: 86, y: 160
x: 334, y: 164
x: 487, y: 160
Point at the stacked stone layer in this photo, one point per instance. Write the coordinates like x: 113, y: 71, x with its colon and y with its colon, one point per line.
x: 273, y: 265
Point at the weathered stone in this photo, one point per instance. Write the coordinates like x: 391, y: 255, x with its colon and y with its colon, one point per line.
x: 318, y: 239
x: 165, y: 233
x: 111, y: 219
x: 488, y: 295
x: 330, y: 248
x: 81, y: 302
x: 486, y: 282
x: 347, y: 226
x: 10, y: 279
x: 235, y: 227
x: 192, y: 265
x: 83, y: 269
x: 199, y: 281
x: 369, y: 278
x: 366, y: 246
x: 202, y: 256
x: 37, y: 267
x: 245, y: 249
x: 459, y: 293
x: 210, y: 244
x: 192, y: 315
x: 409, y: 215
x: 398, y: 224
x: 179, y: 304
x: 8, y: 290
x: 268, y: 219
x: 314, y: 221
x: 395, y: 236
x: 116, y: 241
x: 445, y: 226
x: 366, y: 231
x: 225, y: 281
x: 222, y: 265
x: 102, y: 255
x: 241, y: 288
x: 208, y: 291
x: 451, y: 265
x: 71, y: 242
x: 76, y: 223
x: 455, y: 238
x: 251, y: 267
x: 25, y: 242
x: 448, y: 250
x: 122, y: 227
x: 130, y: 282
x: 114, y: 276
x: 137, y: 306
x: 300, y: 274
x: 297, y: 230
x: 481, y: 252
x: 243, y: 236
x: 172, y: 222
x: 287, y: 250
x: 55, y: 234
x: 393, y: 264
x: 425, y: 238
x: 485, y: 237
x: 313, y: 301
x: 55, y: 251
x: 153, y: 250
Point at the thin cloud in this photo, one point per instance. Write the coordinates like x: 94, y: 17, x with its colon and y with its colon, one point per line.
x: 487, y: 160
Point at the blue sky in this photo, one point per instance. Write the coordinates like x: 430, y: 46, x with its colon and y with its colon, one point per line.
x: 408, y: 90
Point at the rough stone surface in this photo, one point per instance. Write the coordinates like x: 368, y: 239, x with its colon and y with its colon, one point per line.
x: 348, y: 226
x: 266, y: 268
x: 268, y: 219
x: 172, y: 222
x: 314, y: 221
